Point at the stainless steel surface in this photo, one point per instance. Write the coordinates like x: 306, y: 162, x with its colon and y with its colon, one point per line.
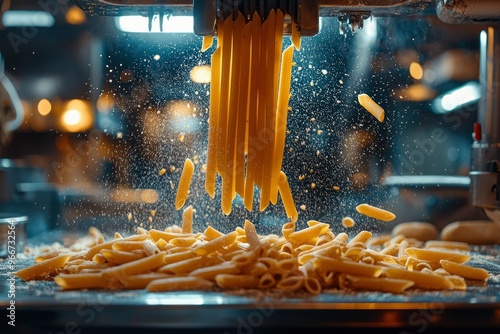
x: 326, y: 7
x: 468, y: 11
x: 48, y: 307
x: 485, y: 166
x: 12, y: 234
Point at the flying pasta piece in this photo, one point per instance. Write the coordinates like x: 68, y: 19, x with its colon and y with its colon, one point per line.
x: 374, y: 212
x: 348, y: 222
x: 184, y: 183
x: 372, y: 107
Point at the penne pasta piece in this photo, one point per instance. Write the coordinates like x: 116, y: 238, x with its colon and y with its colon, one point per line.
x: 83, y: 281
x: 210, y: 272
x: 135, y: 267
x: 141, y: 281
x: 420, y: 279
x: 372, y: 107
x: 291, y: 283
x: 187, y: 220
x: 119, y: 257
x: 98, y: 258
x: 348, y: 222
x: 211, y: 233
x: 216, y: 244
x: 458, y: 283
x: 178, y: 283
x: 381, y: 284
x: 348, y: 267
x: 361, y: 237
x: 43, y: 269
x: 167, y: 236
x: 290, y: 264
x: 251, y: 234
x: 244, y: 258
x: 436, y: 255
x: 266, y: 281
x: 341, y: 239
x: 288, y: 229
x: 379, y: 240
x: 308, y: 234
x: 184, y: 184
x: 179, y: 256
x: 374, y: 212
x: 188, y: 265
x: 465, y: 271
x: 286, y: 196
x: 108, y: 245
x: 312, y: 285
x: 229, y: 281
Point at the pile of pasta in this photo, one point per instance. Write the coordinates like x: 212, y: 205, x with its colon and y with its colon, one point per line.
x: 249, y: 95
x: 311, y: 259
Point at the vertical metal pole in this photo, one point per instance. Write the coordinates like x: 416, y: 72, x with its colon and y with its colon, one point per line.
x: 485, y: 162
x: 489, y: 105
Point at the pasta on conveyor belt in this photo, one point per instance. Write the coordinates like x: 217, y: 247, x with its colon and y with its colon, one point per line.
x: 313, y: 259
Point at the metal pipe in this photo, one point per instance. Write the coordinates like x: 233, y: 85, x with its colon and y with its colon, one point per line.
x: 468, y: 11
x: 485, y: 162
x: 489, y: 105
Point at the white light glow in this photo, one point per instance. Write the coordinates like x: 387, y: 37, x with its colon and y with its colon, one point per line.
x: 140, y: 24
x: 458, y: 98
x: 27, y: 18
x: 72, y: 117
x: 370, y: 27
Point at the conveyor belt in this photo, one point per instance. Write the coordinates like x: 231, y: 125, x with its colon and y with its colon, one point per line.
x: 41, y: 307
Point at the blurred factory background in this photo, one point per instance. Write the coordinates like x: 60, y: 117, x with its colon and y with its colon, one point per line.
x: 92, y: 108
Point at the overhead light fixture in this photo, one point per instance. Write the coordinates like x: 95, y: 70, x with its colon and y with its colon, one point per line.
x: 140, y: 24
x: 27, y: 18
x: 455, y: 99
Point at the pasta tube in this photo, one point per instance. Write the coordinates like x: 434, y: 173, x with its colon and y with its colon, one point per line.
x: 372, y: 107
x: 374, y: 212
x: 43, y: 269
x: 184, y: 183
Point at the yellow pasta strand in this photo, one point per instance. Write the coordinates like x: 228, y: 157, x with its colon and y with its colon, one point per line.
x: 281, y: 119
x: 210, y: 176
x: 286, y: 196
x: 207, y: 43
x: 184, y: 184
